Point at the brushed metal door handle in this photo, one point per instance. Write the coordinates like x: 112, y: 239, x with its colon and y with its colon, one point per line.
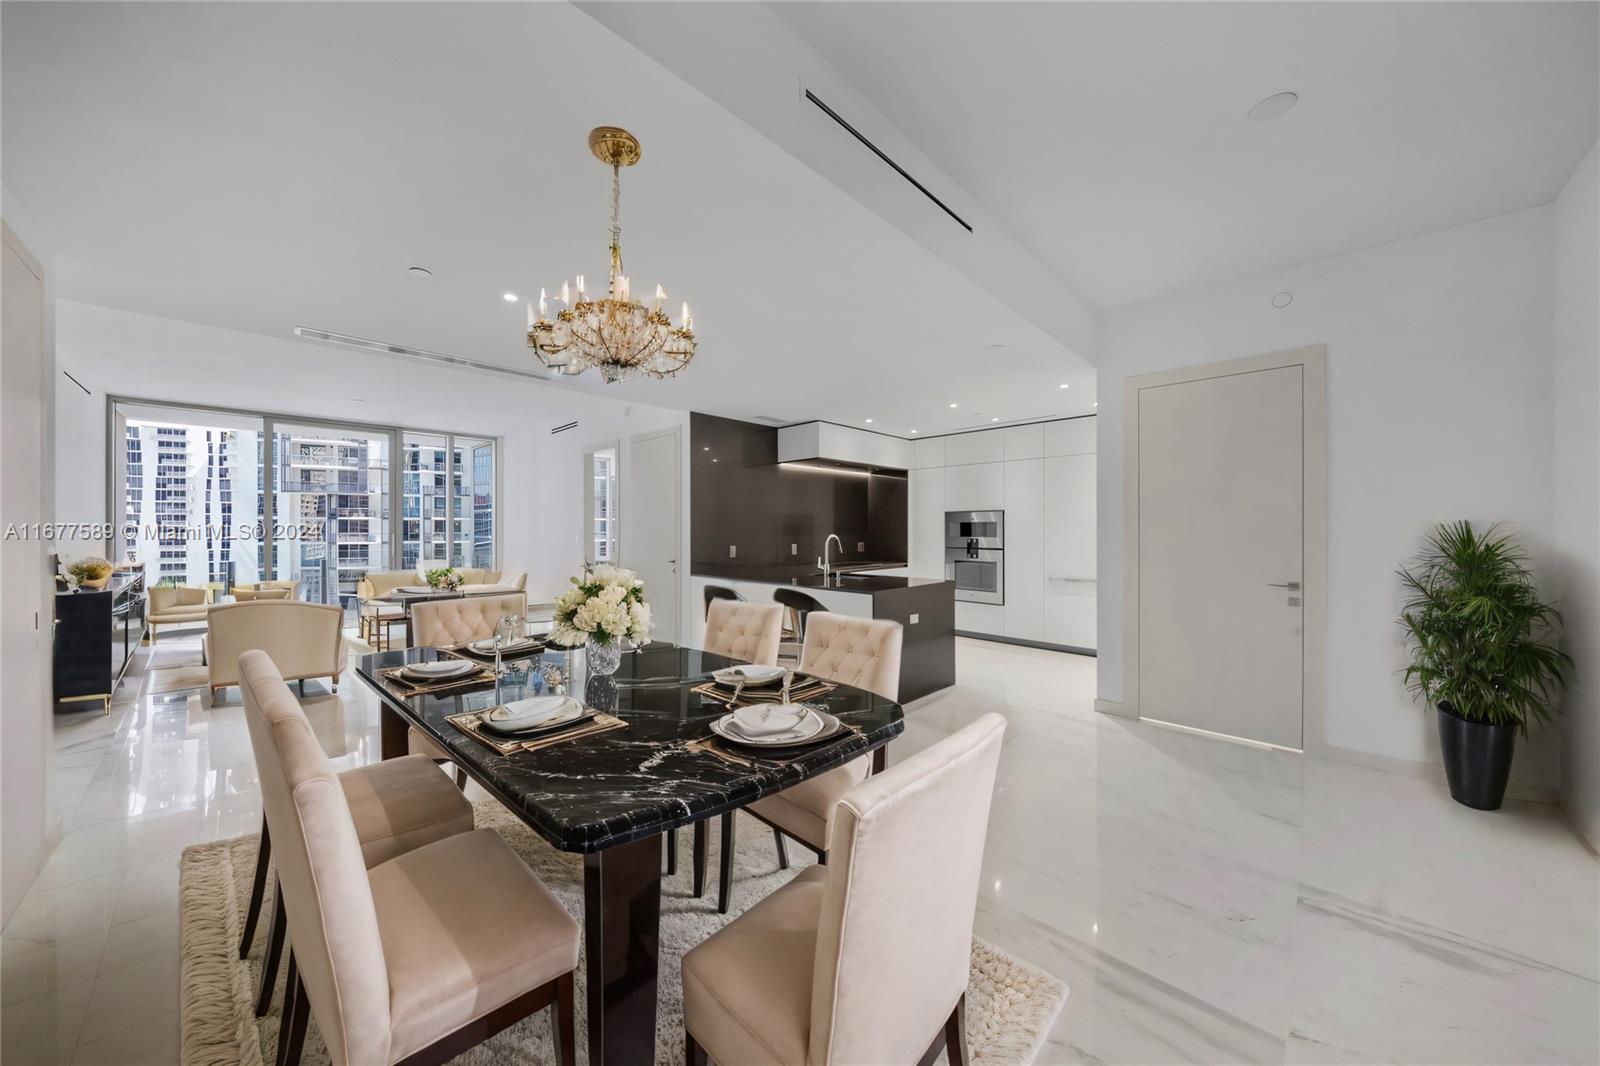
x: 1283, y: 584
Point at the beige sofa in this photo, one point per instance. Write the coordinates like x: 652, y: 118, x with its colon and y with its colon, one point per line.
x: 173, y: 605
x: 267, y: 590
x: 303, y: 640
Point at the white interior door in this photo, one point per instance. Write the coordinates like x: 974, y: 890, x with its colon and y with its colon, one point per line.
x: 24, y: 726
x: 1220, y: 554
x: 652, y: 548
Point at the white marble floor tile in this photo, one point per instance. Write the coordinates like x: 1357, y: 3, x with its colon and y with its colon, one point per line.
x: 141, y: 940
x: 151, y: 1043
x: 43, y: 1031
x: 130, y: 996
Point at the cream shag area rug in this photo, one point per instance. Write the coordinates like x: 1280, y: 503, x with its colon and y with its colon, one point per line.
x: 1011, y: 1004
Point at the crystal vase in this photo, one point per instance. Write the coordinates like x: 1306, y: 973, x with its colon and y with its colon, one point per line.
x: 603, y: 659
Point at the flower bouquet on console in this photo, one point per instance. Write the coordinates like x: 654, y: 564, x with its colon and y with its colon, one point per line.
x: 604, y: 607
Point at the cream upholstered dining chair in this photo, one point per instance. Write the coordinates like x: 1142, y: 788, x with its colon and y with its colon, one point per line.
x: 751, y: 633
x: 175, y: 605
x: 439, y: 623
x: 304, y: 640
x: 397, y: 805
x: 743, y: 630
x: 419, y: 957
x: 864, y: 652
x: 865, y: 959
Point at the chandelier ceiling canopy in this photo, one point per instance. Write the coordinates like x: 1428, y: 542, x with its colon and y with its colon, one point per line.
x: 615, y: 334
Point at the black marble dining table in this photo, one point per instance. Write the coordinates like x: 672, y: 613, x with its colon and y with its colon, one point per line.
x: 613, y: 796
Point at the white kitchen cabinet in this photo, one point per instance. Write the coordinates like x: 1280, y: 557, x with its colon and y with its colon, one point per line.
x: 981, y: 618
x: 927, y: 522
x: 1025, y: 531
x: 929, y: 453
x: 1024, y: 442
x: 1070, y: 589
x: 986, y: 446
x: 1071, y: 436
x: 976, y: 487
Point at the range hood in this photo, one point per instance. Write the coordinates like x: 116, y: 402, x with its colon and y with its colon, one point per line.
x: 826, y: 444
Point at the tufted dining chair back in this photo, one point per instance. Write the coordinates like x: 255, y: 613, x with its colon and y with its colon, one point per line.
x: 894, y: 933
x: 438, y: 623
x: 864, y: 652
x: 745, y: 631
x: 333, y: 921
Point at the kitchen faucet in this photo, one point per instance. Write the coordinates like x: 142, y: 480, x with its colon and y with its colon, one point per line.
x: 826, y: 561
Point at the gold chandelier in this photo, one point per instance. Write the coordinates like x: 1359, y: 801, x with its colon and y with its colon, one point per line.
x: 616, y: 334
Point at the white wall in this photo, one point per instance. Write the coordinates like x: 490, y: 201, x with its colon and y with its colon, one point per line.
x: 28, y: 820
x: 541, y: 490
x: 1577, y: 482
x: 1440, y: 378
x: 556, y: 548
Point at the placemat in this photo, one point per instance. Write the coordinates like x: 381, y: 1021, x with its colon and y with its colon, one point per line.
x: 392, y: 677
x: 809, y: 689
x: 468, y: 723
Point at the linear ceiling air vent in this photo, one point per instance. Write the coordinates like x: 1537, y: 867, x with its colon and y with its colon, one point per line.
x: 768, y: 420
x: 418, y: 354
x: 879, y: 152
x: 563, y: 427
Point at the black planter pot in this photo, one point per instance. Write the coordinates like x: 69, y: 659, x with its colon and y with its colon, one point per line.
x: 1477, y: 758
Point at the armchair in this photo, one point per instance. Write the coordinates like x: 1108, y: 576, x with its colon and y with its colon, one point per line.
x: 172, y: 605
x: 302, y: 639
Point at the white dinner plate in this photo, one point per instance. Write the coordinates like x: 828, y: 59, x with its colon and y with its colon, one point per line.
x: 544, y: 717
x: 441, y: 668
x: 749, y: 673
x: 815, y: 726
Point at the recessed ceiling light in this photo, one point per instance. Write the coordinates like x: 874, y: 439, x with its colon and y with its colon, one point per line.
x: 509, y: 297
x: 913, y: 431
x: 952, y: 407
x: 869, y: 421
x: 1273, y: 106
x: 1280, y: 300
x: 1064, y: 385
x: 1097, y: 403
x: 994, y: 419
x: 419, y: 272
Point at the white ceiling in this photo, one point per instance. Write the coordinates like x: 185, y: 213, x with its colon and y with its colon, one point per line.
x: 1111, y: 138
x: 265, y: 166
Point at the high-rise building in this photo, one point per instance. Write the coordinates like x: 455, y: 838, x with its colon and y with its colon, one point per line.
x: 189, y: 490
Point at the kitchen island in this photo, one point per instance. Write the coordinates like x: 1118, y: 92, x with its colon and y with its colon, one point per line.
x: 924, y: 607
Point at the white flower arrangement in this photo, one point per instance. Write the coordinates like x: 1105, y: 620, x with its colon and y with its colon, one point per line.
x: 447, y: 578
x: 606, y: 604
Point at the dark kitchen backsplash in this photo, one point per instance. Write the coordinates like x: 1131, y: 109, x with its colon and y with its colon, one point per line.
x: 740, y: 496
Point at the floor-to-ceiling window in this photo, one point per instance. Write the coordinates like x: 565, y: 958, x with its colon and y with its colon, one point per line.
x: 210, y: 497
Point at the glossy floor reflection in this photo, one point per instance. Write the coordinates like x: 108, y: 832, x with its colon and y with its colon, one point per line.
x: 1206, y: 902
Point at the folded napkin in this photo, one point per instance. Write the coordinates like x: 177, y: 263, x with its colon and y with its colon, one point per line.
x: 529, y: 712
x: 753, y: 672
x: 768, y: 719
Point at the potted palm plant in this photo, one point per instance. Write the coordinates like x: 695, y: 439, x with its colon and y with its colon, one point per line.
x: 1483, y: 653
